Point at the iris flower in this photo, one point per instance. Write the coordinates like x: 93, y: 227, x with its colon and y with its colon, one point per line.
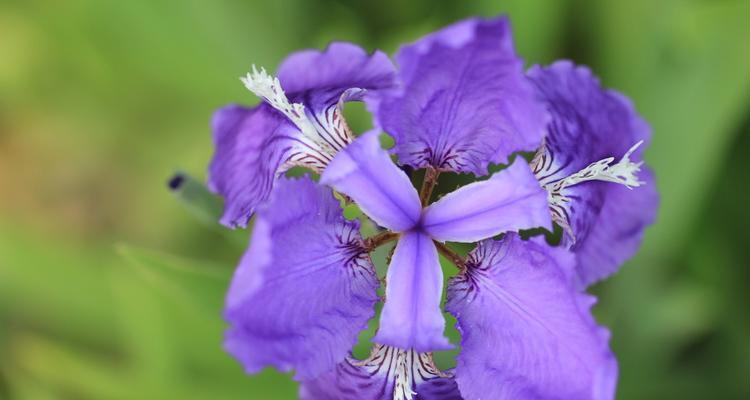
x: 460, y: 101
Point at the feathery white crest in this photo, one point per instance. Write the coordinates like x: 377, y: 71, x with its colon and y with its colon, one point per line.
x: 269, y: 89
x: 402, y: 389
x: 407, y: 369
x: 622, y: 172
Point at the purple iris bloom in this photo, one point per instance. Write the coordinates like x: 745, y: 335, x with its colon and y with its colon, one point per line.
x: 306, y: 287
x: 510, y: 200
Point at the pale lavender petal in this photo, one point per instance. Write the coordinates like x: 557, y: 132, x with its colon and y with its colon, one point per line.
x: 377, y: 378
x: 589, y: 123
x: 411, y: 317
x: 305, y: 288
x: 510, y: 200
x: 365, y: 172
x: 465, y: 101
x: 251, y: 145
x: 527, y: 332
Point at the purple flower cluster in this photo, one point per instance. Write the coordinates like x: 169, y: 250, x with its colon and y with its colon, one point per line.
x: 459, y: 101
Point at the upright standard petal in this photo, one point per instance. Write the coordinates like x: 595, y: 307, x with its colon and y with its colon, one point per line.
x: 527, y: 332
x: 365, y: 173
x: 299, y: 124
x: 465, y: 101
x: 323, y: 81
x: 318, y: 79
x: 591, y: 128
x: 305, y: 288
x: 388, y: 374
x: 510, y: 200
x: 411, y: 317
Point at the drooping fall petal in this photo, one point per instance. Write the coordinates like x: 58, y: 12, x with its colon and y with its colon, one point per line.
x: 527, y: 331
x: 304, y: 289
x: 590, y: 161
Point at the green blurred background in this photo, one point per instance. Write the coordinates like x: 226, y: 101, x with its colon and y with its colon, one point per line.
x: 110, y: 289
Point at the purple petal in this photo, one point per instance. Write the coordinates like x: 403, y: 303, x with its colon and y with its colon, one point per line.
x: 411, y: 317
x: 365, y: 172
x: 317, y: 79
x: 251, y: 144
x: 465, y: 101
x: 510, y: 200
x: 527, y: 332
x: 323, y: 81
x: 377, y: 378
x: 616, y: 231
x: 305, y: 288
x: 590, y: 123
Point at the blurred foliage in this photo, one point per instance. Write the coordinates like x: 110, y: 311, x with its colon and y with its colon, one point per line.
x: 100, y: 101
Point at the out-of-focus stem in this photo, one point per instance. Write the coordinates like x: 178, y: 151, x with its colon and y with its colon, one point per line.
x: 194, y: 195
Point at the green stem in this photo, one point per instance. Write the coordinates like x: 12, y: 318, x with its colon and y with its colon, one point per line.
x: 380, y: 239
x: 428, y: 184
x: 451, y: 255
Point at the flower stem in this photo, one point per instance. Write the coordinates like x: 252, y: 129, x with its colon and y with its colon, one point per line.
x: 451, y: 255
x: 428, y: 184
x: 372, y: 243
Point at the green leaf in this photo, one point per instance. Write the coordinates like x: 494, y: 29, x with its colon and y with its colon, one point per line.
x: 172, y: 316
x: 49, y: 281
x: 58, y: 368
x: 193, y: 283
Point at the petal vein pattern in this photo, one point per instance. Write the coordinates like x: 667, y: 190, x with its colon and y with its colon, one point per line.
x: 304, y: 289
x: 590, y: 194
x: 388, y: 374
x: 299, y: 123
x: 518, y: 299
x: 465, y: 101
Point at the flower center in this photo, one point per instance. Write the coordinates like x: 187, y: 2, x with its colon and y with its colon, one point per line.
x: 407, y: 369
